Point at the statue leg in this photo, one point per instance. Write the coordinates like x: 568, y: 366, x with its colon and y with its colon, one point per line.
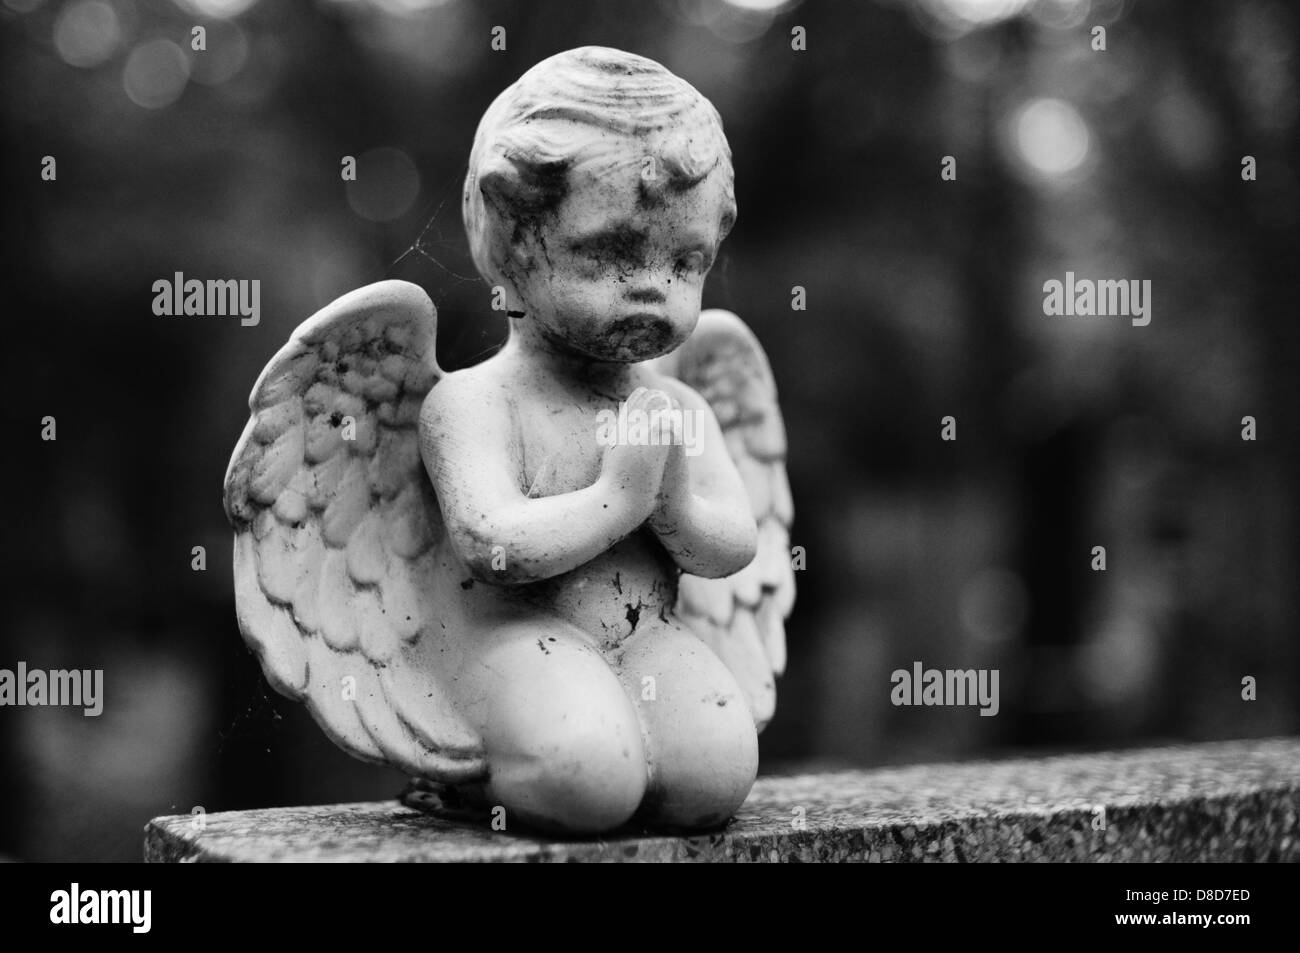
x: 700, y: 737
x: 563, y: 742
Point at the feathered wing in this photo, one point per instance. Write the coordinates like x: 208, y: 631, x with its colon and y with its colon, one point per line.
x: 742, y: 617
x: 339, y: 543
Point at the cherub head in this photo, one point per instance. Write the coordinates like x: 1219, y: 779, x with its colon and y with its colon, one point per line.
x: 599, y: 191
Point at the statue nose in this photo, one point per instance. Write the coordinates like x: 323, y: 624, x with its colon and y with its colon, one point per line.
x: 646, y: 295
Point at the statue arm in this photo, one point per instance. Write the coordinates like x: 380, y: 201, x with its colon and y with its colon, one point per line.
x: 704, y: 518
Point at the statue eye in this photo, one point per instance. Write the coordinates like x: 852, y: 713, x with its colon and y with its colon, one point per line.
x: 620, y: 245
x: 587, y: 249
x: 692, y: 261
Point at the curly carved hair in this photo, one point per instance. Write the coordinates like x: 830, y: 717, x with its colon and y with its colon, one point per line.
x: 596, y: 108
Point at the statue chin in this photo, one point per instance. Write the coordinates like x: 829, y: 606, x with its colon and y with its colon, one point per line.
x: 632, y: 338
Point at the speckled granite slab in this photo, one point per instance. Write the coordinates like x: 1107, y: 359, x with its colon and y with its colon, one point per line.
x: 1231, y: 801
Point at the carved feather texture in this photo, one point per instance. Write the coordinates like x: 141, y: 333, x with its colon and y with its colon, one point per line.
x: 742, y: 617
x: 337, y: 528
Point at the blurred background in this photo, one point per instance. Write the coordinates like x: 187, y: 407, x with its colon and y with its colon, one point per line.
x: 924, y: 299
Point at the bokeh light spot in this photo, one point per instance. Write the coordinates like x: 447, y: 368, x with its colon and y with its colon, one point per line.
x: 948, y: 19
x: 387, y: 184
x: 87, y: 33
x: 993, y: 605
x: 156, y: 73
x: 1051, y: 137
x: 225, y: 56
x: 1118, y: 662
x: 408, y: 7
x: 733, y: 21
x: 215, y: 9
x: 757, y: 4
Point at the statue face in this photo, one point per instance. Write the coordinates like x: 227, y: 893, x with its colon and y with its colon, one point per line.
x: 617, y: 271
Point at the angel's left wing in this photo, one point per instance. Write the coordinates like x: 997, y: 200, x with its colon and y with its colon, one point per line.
x: 742, y: 616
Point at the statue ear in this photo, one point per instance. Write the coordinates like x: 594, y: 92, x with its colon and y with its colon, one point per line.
x: 512, y: 185
x: 515, y: 189
x: 499, y: 184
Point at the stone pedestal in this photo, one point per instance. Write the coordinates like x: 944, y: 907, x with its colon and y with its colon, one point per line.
x: 1230, y: 801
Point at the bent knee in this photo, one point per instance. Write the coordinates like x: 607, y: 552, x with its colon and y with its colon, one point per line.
x: 700, y: 778
x: 701, y: 738
x: 564, y: 745
x: 573, y: 778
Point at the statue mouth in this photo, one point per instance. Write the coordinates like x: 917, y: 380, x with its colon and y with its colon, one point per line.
x: 643, y: 332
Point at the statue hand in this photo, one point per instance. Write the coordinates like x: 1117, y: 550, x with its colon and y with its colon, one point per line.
x: 634, y: 472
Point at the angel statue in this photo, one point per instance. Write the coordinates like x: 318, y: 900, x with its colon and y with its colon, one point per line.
x: 477, y: 577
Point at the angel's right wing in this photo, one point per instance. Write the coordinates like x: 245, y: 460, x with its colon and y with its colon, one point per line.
x: 342, y: 579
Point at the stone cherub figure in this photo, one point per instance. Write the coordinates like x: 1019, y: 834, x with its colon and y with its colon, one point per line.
x: 468, y: 575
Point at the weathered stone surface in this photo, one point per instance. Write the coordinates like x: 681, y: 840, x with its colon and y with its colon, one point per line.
x: 1231, y: 801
